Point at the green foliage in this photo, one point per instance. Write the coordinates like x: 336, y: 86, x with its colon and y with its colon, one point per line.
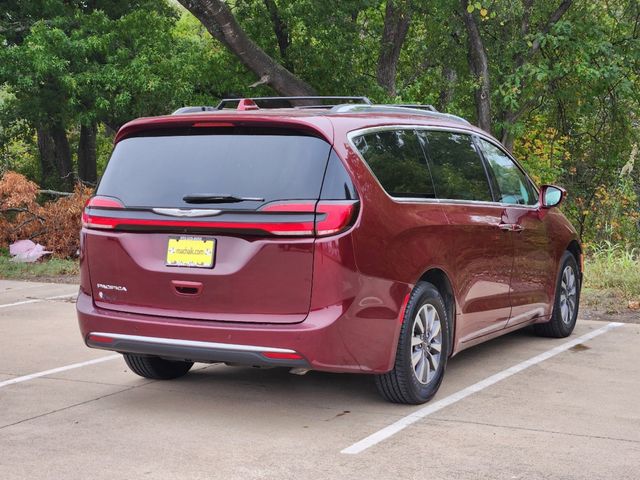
x: 82, y: 65
x: 542, y: 151
x: 566, y: 93
x: 614, y: 268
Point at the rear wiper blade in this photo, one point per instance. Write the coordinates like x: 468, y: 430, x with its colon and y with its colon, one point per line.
x: 218, y: 198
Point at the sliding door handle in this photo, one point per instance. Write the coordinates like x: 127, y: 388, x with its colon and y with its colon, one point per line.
x: 510, y: 227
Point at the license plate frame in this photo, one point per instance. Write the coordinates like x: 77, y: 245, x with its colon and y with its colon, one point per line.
x: 194, y: 252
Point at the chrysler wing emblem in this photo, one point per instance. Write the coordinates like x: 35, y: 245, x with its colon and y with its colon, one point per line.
x: 180, y: 212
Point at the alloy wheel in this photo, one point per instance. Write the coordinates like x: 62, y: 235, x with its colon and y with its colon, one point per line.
x: 568, y: 294
x: 426, y: 343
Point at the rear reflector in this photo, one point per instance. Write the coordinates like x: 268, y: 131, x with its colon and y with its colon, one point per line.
x: 100, y: 339
x: 283, y: 356
x: 403, y: 308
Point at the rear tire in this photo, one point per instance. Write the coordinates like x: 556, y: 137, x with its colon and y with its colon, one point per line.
x: 567, y: 301
x: 156, y: 368
x: 423, y: 349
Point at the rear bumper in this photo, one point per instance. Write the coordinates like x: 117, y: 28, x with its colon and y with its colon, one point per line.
x: 196, y: 351
x: 318, y: 340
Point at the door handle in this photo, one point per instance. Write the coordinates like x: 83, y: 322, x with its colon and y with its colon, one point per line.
x: 510, y: 227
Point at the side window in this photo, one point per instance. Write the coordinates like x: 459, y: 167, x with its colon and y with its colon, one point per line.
x: 513, y: 185
x: 456, y: 167
x: 397, y: 160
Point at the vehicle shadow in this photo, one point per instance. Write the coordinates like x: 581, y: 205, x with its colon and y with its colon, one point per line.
x: 278, y: 386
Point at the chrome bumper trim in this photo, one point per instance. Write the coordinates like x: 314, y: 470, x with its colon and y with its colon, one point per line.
x: 191, y: 343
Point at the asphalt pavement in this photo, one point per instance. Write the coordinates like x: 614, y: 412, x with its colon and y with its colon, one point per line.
x: 518, y: 407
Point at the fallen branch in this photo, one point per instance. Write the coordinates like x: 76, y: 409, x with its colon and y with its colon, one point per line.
x: 55, y: 193
x: 22, y: 210
x: 25, y: 223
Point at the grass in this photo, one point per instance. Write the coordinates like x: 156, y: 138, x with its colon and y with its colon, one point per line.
x: 48, y: 269
x: 612, y: 277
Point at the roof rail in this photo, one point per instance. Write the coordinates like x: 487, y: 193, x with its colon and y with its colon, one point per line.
x: 194, y: 110
x: 289, y: 101
x: 419, y: 106
x: 425, y: 110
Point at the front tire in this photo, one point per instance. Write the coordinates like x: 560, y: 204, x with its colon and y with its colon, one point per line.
x: 567, y: 301
x: 156, y: 368
x: 423, y: 349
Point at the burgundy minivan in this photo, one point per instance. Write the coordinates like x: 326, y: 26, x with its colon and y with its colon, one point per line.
x: 345, y: 238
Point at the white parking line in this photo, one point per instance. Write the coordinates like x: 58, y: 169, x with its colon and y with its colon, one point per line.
x: 26, y: 378
x: 430, y: 408
x: 38, y: 300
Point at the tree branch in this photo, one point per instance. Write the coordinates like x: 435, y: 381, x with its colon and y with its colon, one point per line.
x: 22, y: 210
x: 218, y: 19
x: 553, y: 19
x: 55, y: 193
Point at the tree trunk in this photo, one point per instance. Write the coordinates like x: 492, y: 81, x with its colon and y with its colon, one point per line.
x: 281, y: 31
x: 46, y: 149
x: 218, y: 19
x: 479, y: 65
x: 87, y: 169
x: 450, y: 78
x: 397, y: 19
x: 55, y: 157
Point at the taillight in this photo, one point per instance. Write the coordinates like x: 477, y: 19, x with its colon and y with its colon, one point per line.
x: 100, y: 202
x: 332, y: 216
x: 290, y: 207
x: 292, y: 218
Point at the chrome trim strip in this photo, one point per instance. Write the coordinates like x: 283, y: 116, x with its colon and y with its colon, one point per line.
x: 389, y: 108
x: 468, y: 131
x: 191, y: 343
x: 181, y: 212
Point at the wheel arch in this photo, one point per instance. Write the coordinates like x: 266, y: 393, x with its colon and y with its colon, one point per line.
x: 441, y: 281
x: 576, y: 250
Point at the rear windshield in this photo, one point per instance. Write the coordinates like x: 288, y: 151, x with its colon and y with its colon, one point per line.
x: 158, y: 171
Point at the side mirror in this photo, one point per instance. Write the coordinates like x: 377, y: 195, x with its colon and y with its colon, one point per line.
x: 551, y: 196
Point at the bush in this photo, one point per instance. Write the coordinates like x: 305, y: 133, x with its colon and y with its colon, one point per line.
x: 613, y: 268
x: 54, y: 224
